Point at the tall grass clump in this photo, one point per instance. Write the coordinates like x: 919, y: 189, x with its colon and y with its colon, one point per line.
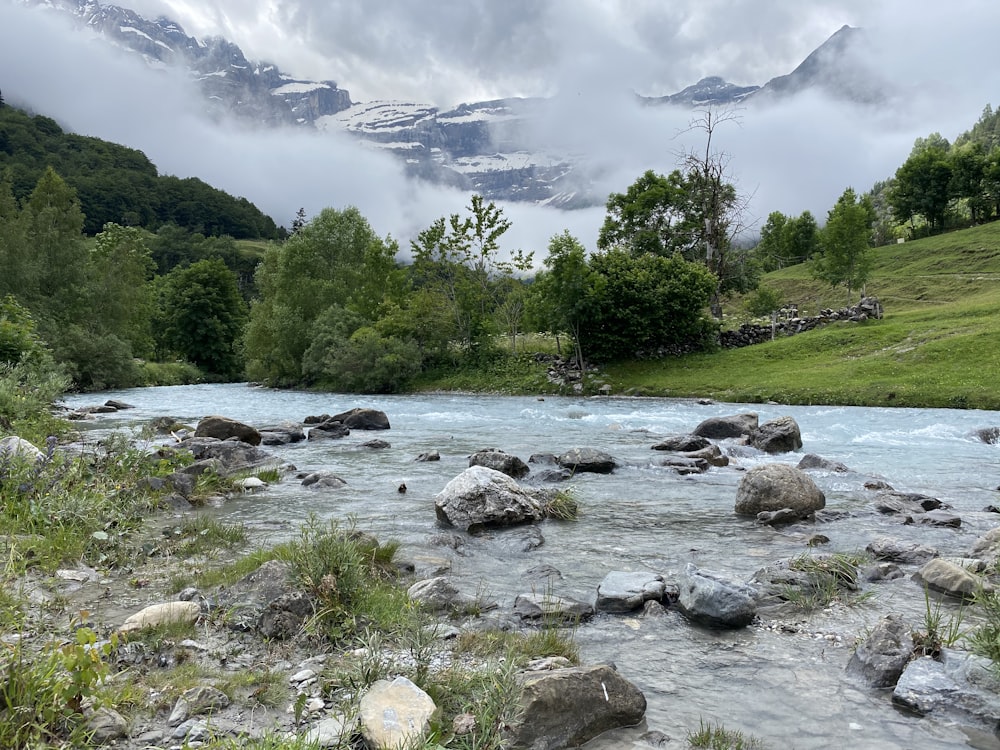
x: 712, y: 736
x: 63, y: 506
x: 352, y: 577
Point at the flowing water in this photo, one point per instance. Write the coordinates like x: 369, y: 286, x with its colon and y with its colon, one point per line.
x: 789, y: 688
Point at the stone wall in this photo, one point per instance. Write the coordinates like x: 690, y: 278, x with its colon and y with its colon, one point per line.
x: 755, y: 333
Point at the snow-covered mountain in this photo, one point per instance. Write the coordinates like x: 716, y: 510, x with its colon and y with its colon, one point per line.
x: 485, y: 147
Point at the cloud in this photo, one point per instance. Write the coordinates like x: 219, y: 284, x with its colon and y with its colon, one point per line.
x: 589, y: 54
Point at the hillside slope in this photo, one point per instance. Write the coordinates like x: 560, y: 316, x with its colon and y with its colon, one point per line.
x: 938, y: 345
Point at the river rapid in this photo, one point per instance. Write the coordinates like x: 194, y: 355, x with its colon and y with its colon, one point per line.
x: 788, y: 685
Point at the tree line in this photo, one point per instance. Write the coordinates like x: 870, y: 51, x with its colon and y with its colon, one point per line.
x: 330, y: 307
x: 118, y: 184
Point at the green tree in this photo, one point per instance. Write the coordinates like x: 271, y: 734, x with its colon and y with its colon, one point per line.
x: 786, y: 240
x: 203, y: 317
x: 646, y: 304
x: 968, y: 171
x: 845, y: 241
x: 652, y: 216
x: 922, y: 185
x: 569, y: 290
x: 18, y: 335
x: 119, y: 297
x: 19, y: 276
x: 54, y: 224
x: 460, y: 258
x: 336, y: 260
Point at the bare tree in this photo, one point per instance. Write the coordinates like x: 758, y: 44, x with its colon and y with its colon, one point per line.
x: 720, y: 209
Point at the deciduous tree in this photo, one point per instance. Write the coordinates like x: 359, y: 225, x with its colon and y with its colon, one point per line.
x: 845, y: 242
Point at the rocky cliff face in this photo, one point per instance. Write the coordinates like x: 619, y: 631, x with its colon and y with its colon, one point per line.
x: 230, y: 84
x: 485, y: 147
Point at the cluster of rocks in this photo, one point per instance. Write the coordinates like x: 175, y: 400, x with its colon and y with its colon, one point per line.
x: 558, y: 707
x: 748, y: 334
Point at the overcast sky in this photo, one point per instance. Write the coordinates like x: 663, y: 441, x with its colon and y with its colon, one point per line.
x: 590, y: 54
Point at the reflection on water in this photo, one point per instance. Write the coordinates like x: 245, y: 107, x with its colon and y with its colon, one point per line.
x: 788, y: 688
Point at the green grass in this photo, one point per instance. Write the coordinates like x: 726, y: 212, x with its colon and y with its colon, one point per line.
x: 716, y: 737
x: 938, y: 345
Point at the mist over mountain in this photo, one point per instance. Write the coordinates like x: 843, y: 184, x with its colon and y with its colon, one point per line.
x: 847, y: 115
x: 488, y: 147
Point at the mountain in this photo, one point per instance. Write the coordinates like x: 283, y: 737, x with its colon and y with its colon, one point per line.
x: 484, y: 147
x: 708, y: 92
x: 230, y: 84
x: 837, y: 68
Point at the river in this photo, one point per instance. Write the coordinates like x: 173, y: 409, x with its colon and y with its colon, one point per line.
x: 789, y: 689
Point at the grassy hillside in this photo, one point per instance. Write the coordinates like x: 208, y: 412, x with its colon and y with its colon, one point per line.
x: 939, y: 344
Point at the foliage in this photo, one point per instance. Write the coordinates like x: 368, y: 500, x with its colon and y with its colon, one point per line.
x: 787, y: 240
x: 984, y: 640
x: 352, y: 577
x: 18, y: 335
x: 27, y: 390
x: 568, y: 291
x: 42, y: 695
x: 203, y: 317
x: 647, y: 303
x: 333, y: 266
x: 651, y: 217
x: 118, y: 297
x: 939, y: 632
x: 460, y: 259
x: 119, y: 184
x: 845, y: 242
x: 713, y: 736
x: 63, y: 507
x: 922, y: 185
x: 763, y: 301
x: 827, y: 577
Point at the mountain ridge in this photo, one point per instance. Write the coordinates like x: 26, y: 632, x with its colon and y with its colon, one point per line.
x: 484, y: 147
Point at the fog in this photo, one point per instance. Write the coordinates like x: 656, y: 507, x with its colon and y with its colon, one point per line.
x: 793, y: 156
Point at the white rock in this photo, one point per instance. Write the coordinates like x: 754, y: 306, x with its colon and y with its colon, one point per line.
x: 162, y: 614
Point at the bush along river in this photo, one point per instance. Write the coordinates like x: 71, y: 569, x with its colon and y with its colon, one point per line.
x: 777, y: 573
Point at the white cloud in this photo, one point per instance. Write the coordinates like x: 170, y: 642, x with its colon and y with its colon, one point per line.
x: 592, y: 54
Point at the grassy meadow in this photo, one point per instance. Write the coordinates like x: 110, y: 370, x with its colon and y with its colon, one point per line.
x: 938, y: 345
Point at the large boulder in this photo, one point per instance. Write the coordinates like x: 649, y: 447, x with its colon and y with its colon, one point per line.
x: 898, y: 551
x: 167, y: 613
x: 282, y: 434
x: 720, y: 428
x: 710, y: 599
x: 956, y: 685
x: 330, y: 429
x: 495, y: 458
x: 567, y: 707
x: 481, y: 497
x: 229, y: 457
x: 549, y: 608
x: 950, y: 579
x: 225, y: 428
x: 363, y: 419
x: 773, y: 487
x: 587, y: 460
x: 780, y: 435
